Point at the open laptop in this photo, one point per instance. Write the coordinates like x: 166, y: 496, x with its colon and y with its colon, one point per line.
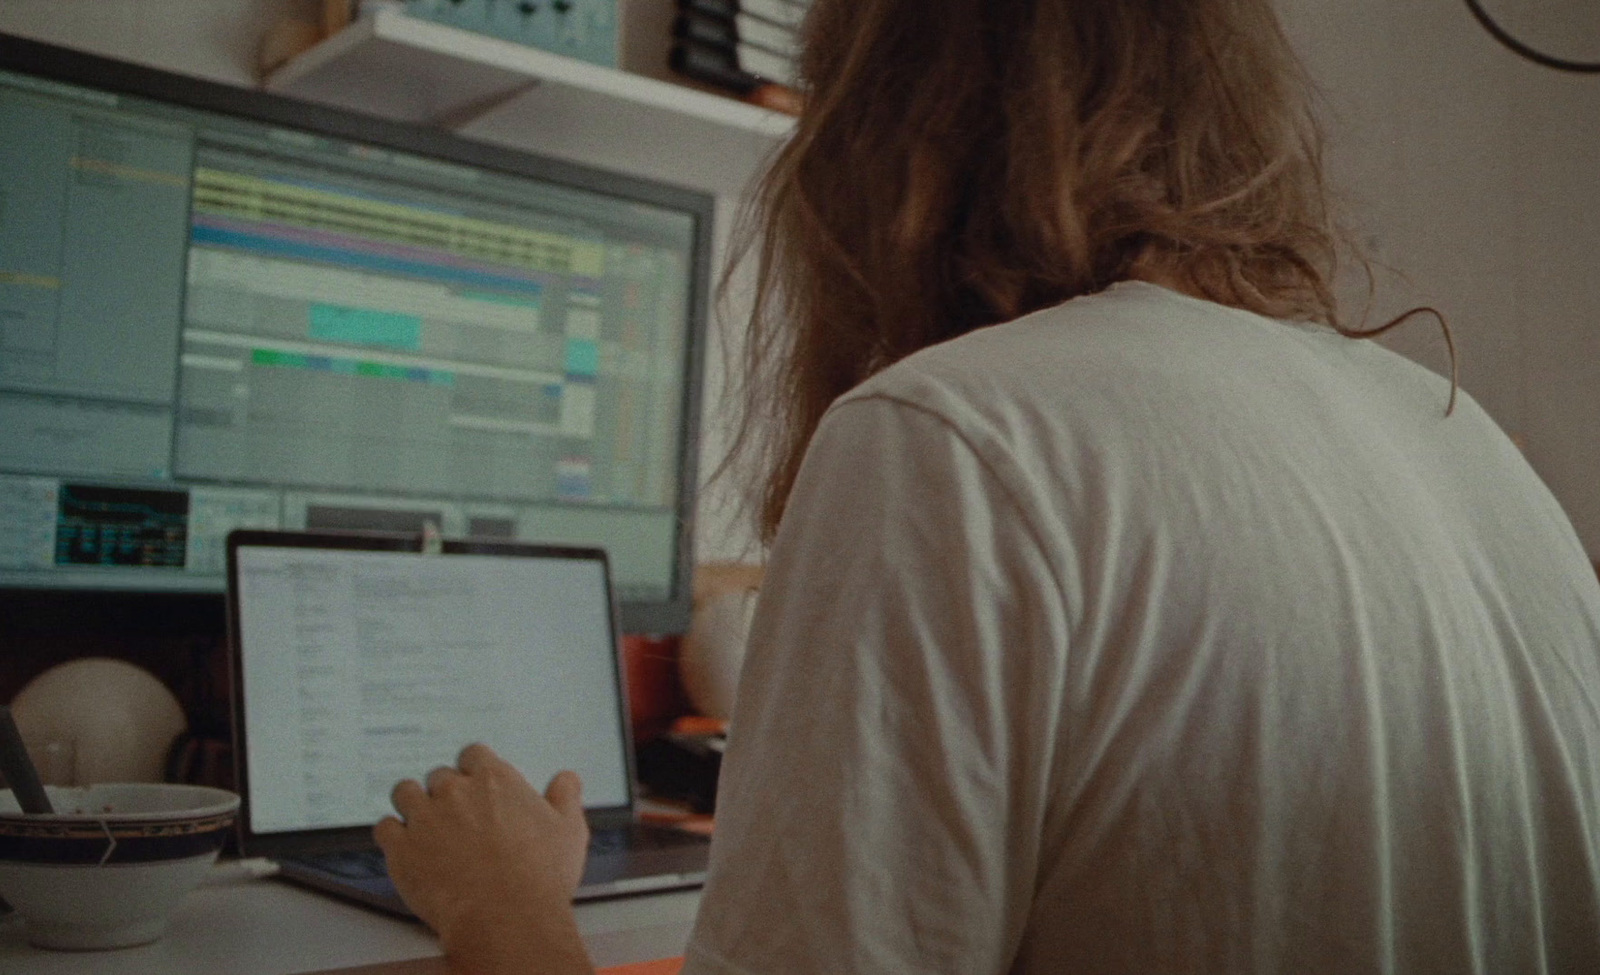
x: 358, y: 660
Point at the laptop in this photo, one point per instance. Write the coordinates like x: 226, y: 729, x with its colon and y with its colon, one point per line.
x: 360, y: 659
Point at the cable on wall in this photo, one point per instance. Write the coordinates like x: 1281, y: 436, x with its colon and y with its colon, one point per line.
x: 1522, y: 49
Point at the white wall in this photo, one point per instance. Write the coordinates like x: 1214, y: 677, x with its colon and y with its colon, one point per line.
x: 1474, y: 173
x: 1470, y: 171
x: 215, y: 39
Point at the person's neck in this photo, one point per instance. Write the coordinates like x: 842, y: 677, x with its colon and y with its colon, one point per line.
x: 1165, y: 278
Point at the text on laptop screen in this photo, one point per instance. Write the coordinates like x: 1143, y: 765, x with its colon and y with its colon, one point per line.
x: 363, y: 668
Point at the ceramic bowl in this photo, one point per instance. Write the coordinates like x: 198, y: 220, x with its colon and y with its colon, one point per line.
x: 107, y: 868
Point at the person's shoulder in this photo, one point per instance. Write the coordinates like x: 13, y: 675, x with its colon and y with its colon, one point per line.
x: 1108, y: 336
x: 1139, y: 360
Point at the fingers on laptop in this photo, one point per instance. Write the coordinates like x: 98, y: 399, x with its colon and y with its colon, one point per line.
x: 565, y: 793
x: 388, y: 832
x: 407, y: 797
x: 477, y: 756
x: 439, y: 778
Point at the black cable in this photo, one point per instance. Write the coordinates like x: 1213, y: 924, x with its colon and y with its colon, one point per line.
x: 1536, y: 56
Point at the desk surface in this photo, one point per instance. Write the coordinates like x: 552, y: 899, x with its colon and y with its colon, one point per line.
x: 269, y: 927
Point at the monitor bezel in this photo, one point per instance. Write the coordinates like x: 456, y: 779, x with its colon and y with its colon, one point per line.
x: 665, y: 616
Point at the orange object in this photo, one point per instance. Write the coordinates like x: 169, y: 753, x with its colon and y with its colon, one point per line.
x: 664, y: 966
x: 702, y: 824
x: 694, y: 724
x: 655, y: 696
x: 779, y: 98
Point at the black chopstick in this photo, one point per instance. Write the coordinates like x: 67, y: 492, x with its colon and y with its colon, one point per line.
x: 18, y: 767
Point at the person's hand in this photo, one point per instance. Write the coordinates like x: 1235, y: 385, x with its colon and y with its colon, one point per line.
x: 490, y: 864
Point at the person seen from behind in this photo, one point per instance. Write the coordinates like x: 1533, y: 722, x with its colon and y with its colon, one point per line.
x: 1126, y: 609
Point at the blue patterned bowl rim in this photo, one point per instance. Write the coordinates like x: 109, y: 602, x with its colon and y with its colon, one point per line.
x: 125, y: 803
x: 91, y: 832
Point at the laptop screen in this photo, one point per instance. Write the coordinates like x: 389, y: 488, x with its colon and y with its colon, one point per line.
x: 361, y: 668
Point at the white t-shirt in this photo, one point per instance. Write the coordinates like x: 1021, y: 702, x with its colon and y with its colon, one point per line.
x: 1145, y: 635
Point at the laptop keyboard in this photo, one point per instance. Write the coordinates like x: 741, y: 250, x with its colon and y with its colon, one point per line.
x: 637, y: 837
x: 368, y: 864
x: 355, y: 864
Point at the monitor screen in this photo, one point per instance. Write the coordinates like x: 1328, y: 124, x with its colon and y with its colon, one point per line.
x: 221, y: 309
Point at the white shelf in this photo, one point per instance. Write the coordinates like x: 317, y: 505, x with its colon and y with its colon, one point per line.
x: 415, y: 70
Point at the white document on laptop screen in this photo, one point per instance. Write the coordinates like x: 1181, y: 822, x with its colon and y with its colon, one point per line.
x: 364, y: 668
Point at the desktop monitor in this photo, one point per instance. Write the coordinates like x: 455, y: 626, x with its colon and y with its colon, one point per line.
x: 223, y: 309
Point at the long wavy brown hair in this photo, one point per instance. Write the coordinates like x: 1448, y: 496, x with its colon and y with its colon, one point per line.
x: 960, y: 163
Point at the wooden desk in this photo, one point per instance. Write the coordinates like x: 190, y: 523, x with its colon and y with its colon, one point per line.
x: 269, y: 927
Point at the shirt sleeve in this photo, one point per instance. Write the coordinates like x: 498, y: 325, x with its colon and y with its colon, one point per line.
x: 882, y: 801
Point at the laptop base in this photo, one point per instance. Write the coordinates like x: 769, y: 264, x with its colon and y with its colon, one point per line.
x: 640, y: 860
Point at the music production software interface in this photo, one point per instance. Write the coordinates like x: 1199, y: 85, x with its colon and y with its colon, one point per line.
x: 209, y: 323
x: 360, y: 668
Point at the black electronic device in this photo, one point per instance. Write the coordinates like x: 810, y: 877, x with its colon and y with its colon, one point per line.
x: 358, y: 660
x: 223, y: 309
